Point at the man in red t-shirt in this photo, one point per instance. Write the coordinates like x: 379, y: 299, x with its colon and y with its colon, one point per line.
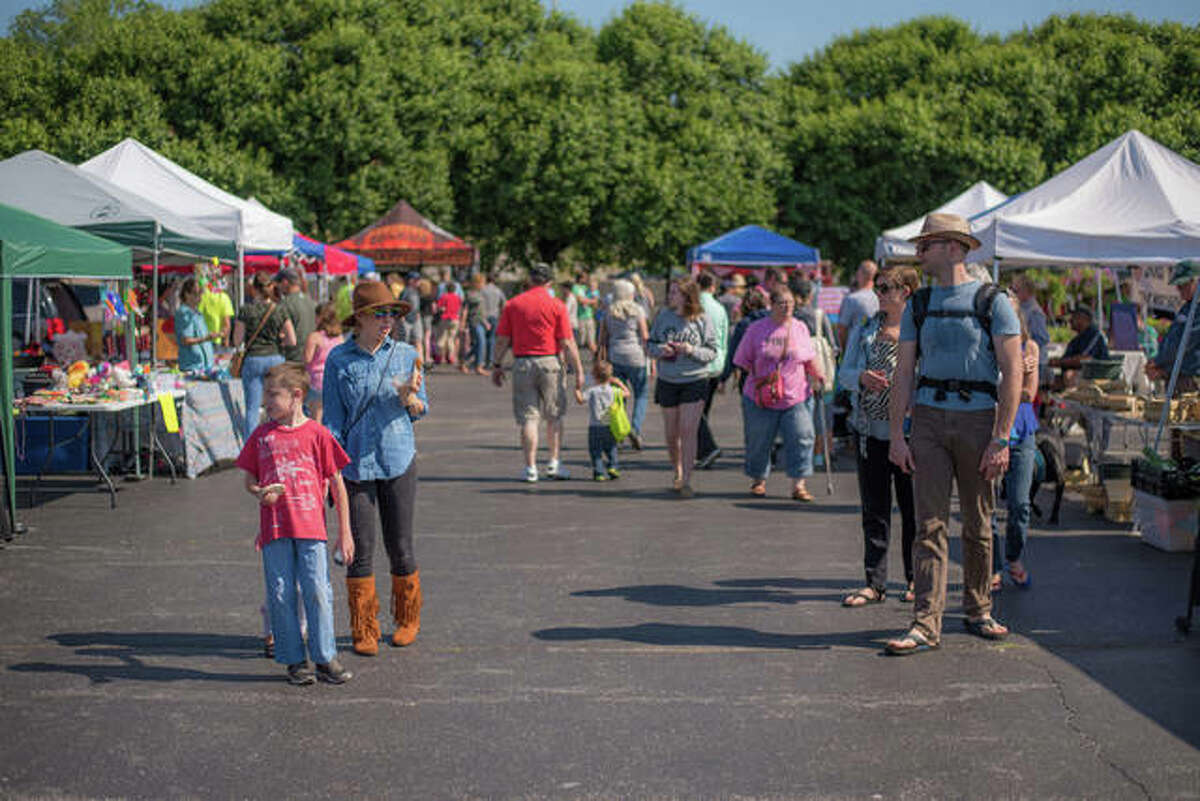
x: 448, y: 306
x: 535, y: 324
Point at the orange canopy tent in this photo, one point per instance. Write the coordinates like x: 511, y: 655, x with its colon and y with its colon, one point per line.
x: 403, y: 238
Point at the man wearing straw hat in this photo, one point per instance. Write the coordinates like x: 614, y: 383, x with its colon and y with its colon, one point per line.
x: 960, y: 348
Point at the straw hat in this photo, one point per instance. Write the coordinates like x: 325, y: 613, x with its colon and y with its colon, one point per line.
x: 737, y: 280
x: 947, y: 226
x: 374, y: 295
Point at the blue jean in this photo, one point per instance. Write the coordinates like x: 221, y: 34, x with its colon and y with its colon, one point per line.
x: 478, y: 350
x: 638, y: 381
x: 1017, y: 482
x: 601, y: 447
x: 254, y: 368
x: 286, y: 562
x: 794, y: 425
x: 490, y: 337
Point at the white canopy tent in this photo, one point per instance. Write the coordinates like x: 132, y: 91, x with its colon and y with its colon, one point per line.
x: 1132, y: 202
x: 893, y: 244
x: 139, y: 169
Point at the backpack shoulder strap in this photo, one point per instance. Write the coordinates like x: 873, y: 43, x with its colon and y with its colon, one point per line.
x: 920, y: 309
x: 985, y: 297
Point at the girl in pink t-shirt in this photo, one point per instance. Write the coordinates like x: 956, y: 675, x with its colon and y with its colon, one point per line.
x: 326, y: 337
x: 779, y: 359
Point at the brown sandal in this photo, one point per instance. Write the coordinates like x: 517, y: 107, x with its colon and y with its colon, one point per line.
x: 758, y: 489
x: 801, y: 494
x: 864, y: 597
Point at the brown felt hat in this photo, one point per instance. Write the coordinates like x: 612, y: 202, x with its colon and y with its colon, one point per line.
x: 370, y: 295
x: 947, y: 226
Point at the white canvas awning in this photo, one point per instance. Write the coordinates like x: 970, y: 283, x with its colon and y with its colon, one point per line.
x: 139, y: 169
x: 893, y: 244
x: 52, y: 188
x: 1132, y: 202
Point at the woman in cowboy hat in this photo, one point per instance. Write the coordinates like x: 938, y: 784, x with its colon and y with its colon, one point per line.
x: 373, y: 393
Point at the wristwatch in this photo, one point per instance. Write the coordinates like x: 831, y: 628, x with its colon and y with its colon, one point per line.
x: 1001, y: 441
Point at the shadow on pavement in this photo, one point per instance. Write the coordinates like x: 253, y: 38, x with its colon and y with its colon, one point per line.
x: 131, y: 648
x: 717, y: 636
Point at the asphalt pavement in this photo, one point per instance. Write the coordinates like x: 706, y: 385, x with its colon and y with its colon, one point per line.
x: 583, y: 640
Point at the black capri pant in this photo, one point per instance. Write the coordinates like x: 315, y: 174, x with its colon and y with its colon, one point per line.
x: 388, y: 504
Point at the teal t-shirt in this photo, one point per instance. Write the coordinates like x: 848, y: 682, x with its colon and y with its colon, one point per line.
x: 955, y: 347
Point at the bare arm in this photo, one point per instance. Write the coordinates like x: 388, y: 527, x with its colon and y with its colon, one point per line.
x: 341, y: 501
x: 902, y: 384
x: 1008, y: 356
x: 310, y: 346
x: 289, y: 334
x: 502, y: 343
x: 576, y: 364
x: 1029, y: 383
x: 239, y: 333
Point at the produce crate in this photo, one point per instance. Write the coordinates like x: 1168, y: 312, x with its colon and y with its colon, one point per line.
x: 1171, y: 485
x: 1167, y: 525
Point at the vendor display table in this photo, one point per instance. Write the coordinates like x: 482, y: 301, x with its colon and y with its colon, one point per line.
x: 1099, y: 421
x: 110, y: 423
x: 211, y: 424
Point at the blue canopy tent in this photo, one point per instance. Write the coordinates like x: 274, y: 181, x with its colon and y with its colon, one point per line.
x: 751, y: 249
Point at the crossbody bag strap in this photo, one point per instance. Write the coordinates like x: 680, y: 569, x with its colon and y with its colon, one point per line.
x: 266, y: 316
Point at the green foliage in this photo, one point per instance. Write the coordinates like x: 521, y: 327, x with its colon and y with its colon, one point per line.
x: 540, y: 138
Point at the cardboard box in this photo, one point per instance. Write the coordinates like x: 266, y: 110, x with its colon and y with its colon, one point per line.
x: 1167, y: 525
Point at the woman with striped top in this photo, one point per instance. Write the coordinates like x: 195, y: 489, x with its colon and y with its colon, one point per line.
x: 870, y: 362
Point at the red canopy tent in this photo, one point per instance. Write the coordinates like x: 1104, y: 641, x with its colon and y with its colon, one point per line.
x: 403, y: 238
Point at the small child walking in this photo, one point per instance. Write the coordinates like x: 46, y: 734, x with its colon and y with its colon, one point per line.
x: 602, y: 446
x: 289, y: 461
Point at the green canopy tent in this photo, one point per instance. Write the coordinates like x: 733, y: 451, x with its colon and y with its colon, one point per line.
x: 33, y: 247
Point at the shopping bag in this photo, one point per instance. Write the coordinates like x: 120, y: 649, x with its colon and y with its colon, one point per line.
x: 618, y: 420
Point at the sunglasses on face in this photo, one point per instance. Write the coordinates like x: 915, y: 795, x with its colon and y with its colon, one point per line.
x: 380, y: 314
x: 928, y: 243
x: 883, y: 287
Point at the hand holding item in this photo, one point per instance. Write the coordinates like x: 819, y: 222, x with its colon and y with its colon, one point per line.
x: 1030, y: 362
x: 900, y: 455
x: 269, y: 494
x: 874, y: 380
x: 498, y: 376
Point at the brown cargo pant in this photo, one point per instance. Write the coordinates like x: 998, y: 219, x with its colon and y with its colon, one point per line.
x: 947, y: 445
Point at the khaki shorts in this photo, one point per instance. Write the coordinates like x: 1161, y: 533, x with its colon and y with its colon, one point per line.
x: 539, y: 389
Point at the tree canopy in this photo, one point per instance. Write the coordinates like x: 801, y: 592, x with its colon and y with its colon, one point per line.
x: 538, y: 137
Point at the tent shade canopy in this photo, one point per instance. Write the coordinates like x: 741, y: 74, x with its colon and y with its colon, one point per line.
x: 139, y: 169
x: 893, y: 244
x: 1133, y: 201
x: 34, y: 247
x: 404, y: 238
x: 56, y: 190
x: 314, y: 257
x: 753, y: 246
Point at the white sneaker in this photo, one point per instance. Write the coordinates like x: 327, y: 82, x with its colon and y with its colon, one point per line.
x: 531, y: 476
x: 556, y: 471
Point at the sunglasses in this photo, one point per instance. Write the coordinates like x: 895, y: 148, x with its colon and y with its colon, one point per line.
x: 928, y: 243
x: 883, y: 287
x: 379, y: 314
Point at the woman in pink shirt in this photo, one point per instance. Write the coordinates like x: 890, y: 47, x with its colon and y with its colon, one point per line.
x: 324, y: 338
x: 779, y: 360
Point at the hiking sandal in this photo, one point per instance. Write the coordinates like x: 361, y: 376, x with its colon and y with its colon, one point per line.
x: 913, y: 642
x: 864, y: 597
x: 986, y: 627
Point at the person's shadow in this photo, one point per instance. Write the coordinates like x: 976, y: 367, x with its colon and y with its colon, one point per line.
x: 679, y: 635
x: 130, y: 649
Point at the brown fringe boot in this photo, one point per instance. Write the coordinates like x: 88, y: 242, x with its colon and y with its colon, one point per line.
x: 406, y: 607
x: 364, y: 614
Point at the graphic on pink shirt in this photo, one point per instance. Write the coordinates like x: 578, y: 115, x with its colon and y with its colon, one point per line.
x: 302, y: 459
x: 761, y: 349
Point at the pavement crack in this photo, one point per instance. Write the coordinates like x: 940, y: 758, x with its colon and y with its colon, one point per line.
x: 1072, y: 721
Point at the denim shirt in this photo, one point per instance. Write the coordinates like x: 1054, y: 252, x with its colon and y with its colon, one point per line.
x: 381, y: 445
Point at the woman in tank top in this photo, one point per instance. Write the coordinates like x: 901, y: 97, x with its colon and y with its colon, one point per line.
x: 326, y: 337
x: 872, y: 351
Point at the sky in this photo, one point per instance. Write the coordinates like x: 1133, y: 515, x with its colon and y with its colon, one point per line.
x: 789, y: 30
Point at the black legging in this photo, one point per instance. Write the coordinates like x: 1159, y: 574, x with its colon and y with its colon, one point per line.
x: 876, y: 475
x: 391, y: 501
